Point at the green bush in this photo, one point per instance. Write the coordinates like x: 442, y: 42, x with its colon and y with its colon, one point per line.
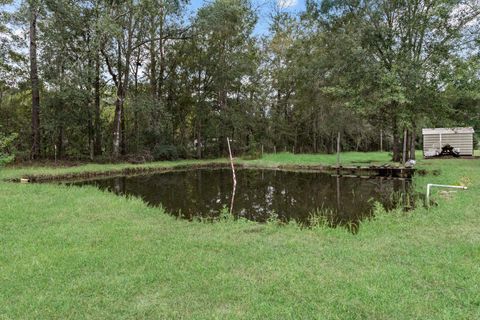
x: 7, y: 153
x: 165, y: 152
x: 252, y: 152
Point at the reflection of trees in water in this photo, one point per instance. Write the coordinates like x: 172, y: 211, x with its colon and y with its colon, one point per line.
x: 295, y: 195
x: 393, y: 192
x: 291, y: 195
x: 119, y: 185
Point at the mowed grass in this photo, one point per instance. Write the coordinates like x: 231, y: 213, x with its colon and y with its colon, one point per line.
x: 13, y: 171
x: 70, y: 252
x: 346, y: 158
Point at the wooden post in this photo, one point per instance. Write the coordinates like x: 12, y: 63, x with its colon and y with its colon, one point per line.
x: 262, y: 150
x: 275, y: 149
x: 55, y: 153
x: 233, y: 175
x: 404, y: 157
x: 338, y: 149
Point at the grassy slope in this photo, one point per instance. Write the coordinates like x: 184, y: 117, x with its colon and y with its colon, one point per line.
x: 70, y: 252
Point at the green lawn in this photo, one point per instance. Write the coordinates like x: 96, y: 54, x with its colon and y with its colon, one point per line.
x: 69, y: 252
x: 361, y: 158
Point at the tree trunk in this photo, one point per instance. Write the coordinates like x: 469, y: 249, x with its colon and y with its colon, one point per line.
x: 117, y: 120
x: 316, y: 134
x: 122, y: 87
x: 123, y: 139
x: 404, y: 149
x: 381, y: 140
x: 97, y: 148
x: 396, y: 149
x: 91, y: 133
x: 222, y: 106
x: 153, y: 58
x: 407, y: 146
x: 60, y: 143
x: 160, y: 79
x: 199, y: 142
x: 161, y: 52
x: 135, y: 110
x: 413, y: 138
x: 198, y: 116
x: 117, y: 126
x: 35, y: 151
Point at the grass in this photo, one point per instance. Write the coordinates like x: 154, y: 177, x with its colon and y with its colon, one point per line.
x: 13, y: 172
x: 346, y: 158
x: 269, y: 160
x: 69, y: 252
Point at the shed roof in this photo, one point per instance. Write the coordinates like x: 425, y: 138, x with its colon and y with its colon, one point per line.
x: 447, y: 130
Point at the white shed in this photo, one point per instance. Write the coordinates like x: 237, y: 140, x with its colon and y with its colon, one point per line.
x: 461, y: 139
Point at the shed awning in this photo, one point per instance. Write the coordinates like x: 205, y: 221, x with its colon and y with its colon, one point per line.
x: 447, y: 130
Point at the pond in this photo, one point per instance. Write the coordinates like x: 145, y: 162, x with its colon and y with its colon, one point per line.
x: 262, y: 194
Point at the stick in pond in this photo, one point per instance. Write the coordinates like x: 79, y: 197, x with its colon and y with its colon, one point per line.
x: 233, y: 175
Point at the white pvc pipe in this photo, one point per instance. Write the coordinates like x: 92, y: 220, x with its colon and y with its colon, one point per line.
x: 430, y: 185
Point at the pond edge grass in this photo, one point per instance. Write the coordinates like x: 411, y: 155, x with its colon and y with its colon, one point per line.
x: 77, y: 172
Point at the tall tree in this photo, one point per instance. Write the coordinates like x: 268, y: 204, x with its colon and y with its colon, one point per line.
x: 33, y: 10
x: 226, y: 60
x: 125, y: 36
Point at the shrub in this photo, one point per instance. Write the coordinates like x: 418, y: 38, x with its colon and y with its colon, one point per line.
x: 7, y: 153
x: 141, y: 157
x: 184, y: 152
x: 165, y: 152
x: 252, y: 152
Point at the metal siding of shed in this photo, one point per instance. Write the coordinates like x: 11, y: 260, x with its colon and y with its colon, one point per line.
x: 461, y: 141
x: 430, y: 142
x: 447, y: 130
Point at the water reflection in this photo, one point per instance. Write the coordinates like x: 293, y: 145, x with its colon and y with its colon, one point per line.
x: 262, y: 193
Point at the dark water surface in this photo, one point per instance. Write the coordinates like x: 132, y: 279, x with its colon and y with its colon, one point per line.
x: 261, y: 194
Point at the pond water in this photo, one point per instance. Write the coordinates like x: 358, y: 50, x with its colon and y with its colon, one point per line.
x: 261, y: 194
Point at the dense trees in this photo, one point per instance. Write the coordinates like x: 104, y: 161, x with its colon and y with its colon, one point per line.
x: 145, y: 78
x: 405, y: 50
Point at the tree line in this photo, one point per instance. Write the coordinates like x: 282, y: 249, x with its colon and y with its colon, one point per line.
x: 147, y: 79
